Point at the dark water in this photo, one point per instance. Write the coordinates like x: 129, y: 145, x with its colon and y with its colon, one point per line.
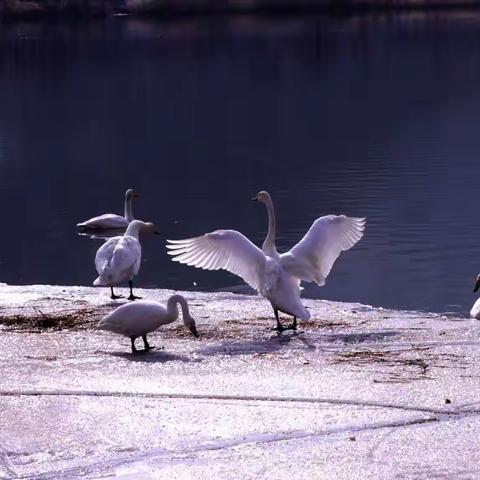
x: 368, y: 116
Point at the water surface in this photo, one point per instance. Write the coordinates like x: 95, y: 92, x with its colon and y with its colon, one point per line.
x: 367, y: 116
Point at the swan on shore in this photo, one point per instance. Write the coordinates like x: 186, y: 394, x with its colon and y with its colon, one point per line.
x: 275, y: 276
x: 475, y: 311
x: 111, y: 220
x: 137, y: 319
x: 118, y: 259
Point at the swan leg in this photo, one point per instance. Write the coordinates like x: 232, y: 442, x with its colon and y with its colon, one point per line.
x: 279, y: 327
x: 113, y: 296
x: 147, y: 346
x: 134, y: 350
x: 132, y: 296
x: 293, y: 326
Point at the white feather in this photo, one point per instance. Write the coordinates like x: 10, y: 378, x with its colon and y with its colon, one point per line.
x: 276, y: 277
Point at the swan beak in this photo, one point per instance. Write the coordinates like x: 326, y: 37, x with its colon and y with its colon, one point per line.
x: 477, y: 285
x: 255, y: 198
x: 156, y: 232
x: 136, y: 195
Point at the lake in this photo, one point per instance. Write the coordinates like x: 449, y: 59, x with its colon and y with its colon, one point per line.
x: 375, y: 116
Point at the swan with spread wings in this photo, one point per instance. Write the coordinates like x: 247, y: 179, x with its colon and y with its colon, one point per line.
x: 275, y: 276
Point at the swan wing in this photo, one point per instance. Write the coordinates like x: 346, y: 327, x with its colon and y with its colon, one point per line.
x: 117, y: 259
x: 107, y: 220
x: 104, y: 254
x: 313, y: 257
x: 223, y: 249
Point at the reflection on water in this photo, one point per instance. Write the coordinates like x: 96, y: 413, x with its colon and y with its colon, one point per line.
x: 373, y: 117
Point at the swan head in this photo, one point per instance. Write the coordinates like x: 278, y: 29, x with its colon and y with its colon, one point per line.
x: 149, y: 227
x: 477, y: 283
x: 130, y: 194
x: 262, y: 196
x: 190, y: 324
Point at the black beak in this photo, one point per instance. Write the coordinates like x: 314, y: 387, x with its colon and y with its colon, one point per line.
x: 477, y: 285
x: 194, y: 332
x: 156, y: 232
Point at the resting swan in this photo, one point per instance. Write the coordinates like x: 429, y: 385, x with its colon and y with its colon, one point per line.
x: 137, y: 319
x: 118, y: 259
x: 276, y: 277
x: 110, y: 220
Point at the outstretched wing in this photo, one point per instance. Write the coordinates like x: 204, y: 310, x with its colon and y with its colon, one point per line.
x: 313, y: 257
x: 223, y: 249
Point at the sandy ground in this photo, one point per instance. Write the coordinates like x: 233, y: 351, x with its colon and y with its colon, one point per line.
x: 356, y: 393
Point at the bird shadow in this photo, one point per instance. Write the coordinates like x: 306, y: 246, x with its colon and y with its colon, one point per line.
x: 298, y: 340
x: 152, y: 356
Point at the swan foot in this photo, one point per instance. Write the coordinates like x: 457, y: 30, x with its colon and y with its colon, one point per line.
x: 133, y: 297
x: 113, y: 296
x: 281, y: 328
x: 146, y: 348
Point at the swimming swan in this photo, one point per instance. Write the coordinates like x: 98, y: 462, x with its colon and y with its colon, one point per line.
x: 276, y: 277
x: 118, y: 259
x: 137, y: 319
x: 110, y: 220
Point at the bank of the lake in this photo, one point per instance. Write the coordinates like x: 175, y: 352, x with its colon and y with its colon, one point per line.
x: 11, y: 9
x: 333, y: 400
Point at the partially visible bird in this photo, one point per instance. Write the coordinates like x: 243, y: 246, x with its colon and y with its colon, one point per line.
x: 118, y: 259
x: 111, y: 220
x: 276, y: 277
x: 137, y: 319
x: 475, y: 311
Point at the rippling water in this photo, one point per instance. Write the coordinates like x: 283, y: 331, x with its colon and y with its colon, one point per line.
x: 368, y: 116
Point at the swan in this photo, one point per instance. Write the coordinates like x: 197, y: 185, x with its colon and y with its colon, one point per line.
x: 118, y: 259
x: 475, y: 311
x: 137, y: 319
x: 110, y: 220
x: 275, y: 276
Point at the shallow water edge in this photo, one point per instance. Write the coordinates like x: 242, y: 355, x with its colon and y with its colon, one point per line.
x: 16, y: 9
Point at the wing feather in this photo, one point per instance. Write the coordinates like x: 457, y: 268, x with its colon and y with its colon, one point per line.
x: 222, y: 249
x: 313, y: 257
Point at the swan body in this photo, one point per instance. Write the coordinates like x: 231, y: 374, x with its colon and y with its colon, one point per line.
x: 111, y: 220
x: 137, y: 319
x: 118, y: 259
x: 475, y: 311
x: 275, y: 276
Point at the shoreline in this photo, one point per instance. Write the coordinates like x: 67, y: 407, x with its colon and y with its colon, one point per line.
x: 352, y: 385
x: 35, y: 308
x: 13, y: 10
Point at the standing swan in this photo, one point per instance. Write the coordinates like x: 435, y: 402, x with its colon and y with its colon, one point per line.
x: 118, y: 259
x: 276, y: 277
x: 137, y: 319
x: 110, y: 220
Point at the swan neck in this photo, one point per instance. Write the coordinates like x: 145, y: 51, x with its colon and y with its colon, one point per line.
x: 269, y: 243
x: 133, y: 229
x: 128, y: 209
x: 172, y: 307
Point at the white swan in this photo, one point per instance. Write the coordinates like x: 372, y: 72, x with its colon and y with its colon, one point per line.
x: 475, y: 311
x: 137, y: 319
x: 118, y: 259
x: 111, y: 220
x: 276, y: 277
